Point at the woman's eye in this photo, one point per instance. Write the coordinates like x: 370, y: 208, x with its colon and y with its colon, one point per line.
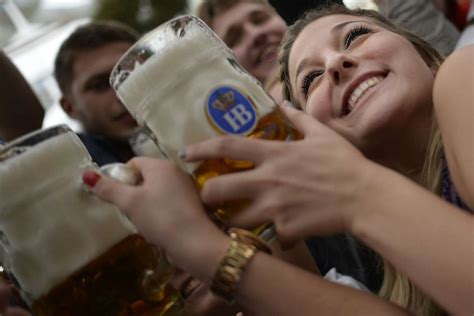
x: 308, y: 80
x: 354, y: 34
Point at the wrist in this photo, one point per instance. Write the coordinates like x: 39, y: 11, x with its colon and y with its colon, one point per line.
x: 206, y: 253
x: 231, y: 269
x: 367, y: 188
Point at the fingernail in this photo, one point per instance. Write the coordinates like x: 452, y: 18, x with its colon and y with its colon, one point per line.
x: 182, y: 154
x: 90, y: 178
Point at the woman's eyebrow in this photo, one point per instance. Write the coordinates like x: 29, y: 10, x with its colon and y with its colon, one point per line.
x: 340, y: 26
x: 300, y: 68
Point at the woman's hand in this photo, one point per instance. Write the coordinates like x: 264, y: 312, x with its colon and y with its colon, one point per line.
x: 306, y: 187
x: 166, y: 209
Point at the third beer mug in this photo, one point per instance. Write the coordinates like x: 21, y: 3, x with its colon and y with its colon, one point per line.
x: 183, y: 84
x: 68, y: 252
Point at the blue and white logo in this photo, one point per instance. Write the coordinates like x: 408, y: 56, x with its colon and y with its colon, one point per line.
x: 231, y: 111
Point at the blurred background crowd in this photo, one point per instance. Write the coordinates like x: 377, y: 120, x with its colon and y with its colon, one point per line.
x: 31, y: 31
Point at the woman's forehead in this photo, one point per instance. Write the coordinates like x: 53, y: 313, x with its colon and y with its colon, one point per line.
x: 319, y: 33
x: 324, y: 28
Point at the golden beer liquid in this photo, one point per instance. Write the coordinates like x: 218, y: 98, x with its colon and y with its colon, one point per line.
x: 273, y: 126
x: 112, y: 285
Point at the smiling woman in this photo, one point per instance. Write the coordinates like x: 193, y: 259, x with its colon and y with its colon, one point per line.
x: 338, y: 86
x: 371, y: 93
x: 372, y: 83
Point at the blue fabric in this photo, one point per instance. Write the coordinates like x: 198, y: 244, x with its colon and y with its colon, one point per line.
x: 448, y: 191
x: 104, y: 151
x: 2, y: 142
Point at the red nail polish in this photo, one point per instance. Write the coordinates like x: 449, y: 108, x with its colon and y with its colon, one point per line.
x: 90, y: 178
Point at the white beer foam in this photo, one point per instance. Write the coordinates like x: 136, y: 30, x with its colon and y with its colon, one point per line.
x: 56, y: 228
x: 180, y: 75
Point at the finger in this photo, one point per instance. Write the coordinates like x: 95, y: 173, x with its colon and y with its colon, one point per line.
x: 285, y: 235
x: 230, y: 187
x: 294, y: 224
x: 302, y: 121
x: 232, y: 147
x: 142, y: 164
x: 108, y: 189
x: 259, y: 212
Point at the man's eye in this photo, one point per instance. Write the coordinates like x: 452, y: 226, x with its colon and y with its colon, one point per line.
x: 99, y: 85
x: 233, y: 38
x: 354, y: 34
x: 308, y: 80
x: 259, y: 17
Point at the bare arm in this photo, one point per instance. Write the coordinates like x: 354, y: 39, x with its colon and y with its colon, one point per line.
x: 20, y: 109
x: 167, y: 199
x: 424, y: 237
x: 322, y: 185
x: 454, y: 107
x: 444, y: 235
x: 272, y: 287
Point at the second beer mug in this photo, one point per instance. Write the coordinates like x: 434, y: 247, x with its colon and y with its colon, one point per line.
x: 68, y: 252
x: 184, y: 85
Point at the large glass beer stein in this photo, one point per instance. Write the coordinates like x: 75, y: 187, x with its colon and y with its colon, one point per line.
x: 68, y: 252
x: 184, y: 85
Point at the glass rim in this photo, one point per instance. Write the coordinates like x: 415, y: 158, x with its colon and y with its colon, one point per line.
x: 32, y: 139
x: 143, y: 48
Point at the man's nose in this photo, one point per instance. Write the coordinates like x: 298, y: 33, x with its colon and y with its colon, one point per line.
x: 256, y: 34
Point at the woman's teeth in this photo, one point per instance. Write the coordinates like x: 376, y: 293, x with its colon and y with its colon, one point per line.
x: 361, y: 89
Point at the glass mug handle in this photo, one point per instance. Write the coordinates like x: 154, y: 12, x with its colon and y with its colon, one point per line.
x: 152, y: 281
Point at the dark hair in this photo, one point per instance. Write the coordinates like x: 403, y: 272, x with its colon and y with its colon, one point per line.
x: 87, y: 37
x: 429, y: 54
x: 207, y: 10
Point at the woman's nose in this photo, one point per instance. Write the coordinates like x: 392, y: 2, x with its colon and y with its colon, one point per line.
x: 340, y: 66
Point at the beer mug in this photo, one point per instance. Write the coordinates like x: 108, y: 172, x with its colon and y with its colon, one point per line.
x: 143, y: 145
x: 68, y: 252
x: 184, y: 85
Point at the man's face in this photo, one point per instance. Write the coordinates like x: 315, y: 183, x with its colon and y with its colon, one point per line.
x: 254, y: 32
x: 92, y: 100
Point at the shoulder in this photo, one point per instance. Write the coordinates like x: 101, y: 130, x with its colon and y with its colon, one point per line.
x: 456, y: 74
x: 453, y: 97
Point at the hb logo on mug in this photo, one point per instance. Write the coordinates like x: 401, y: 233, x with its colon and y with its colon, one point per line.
x: 231, y: 111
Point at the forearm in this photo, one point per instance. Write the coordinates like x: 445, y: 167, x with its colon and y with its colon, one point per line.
x: 20, y: 109
x: 273, y: 287
x: 425, y: 238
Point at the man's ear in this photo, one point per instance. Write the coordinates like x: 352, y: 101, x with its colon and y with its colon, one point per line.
x: 68, y: 107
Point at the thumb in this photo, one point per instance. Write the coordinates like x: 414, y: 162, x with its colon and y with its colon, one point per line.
x: 107, y: 189
x: 302, y: 121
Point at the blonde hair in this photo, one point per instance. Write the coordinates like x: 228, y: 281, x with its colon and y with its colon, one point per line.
x: 207, y: 10
x: 396, y: 287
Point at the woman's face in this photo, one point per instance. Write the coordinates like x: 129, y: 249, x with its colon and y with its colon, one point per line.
x: 363, y: 81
